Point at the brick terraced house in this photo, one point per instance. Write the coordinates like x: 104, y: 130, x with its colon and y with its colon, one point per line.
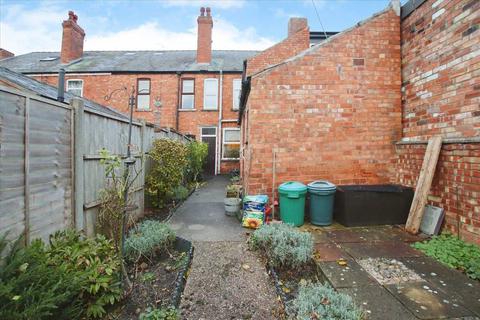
x: 192, y: 91
x: 360, y: 107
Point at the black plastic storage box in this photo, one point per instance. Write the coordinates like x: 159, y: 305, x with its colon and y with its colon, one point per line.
x: 366, y: 205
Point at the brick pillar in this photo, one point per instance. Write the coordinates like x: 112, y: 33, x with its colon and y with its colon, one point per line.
x: 72, y: 39
x: 204, y: 40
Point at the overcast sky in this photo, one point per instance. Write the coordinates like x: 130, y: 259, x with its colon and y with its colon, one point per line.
x: 30, y: 25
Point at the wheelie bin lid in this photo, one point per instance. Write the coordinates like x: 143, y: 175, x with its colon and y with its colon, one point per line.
x: 292, y: 186
x: 321, y: 185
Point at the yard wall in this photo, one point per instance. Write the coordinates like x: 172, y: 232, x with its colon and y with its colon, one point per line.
x: 332, y: 112
x: 441, y: 96
x: 164, y: 88
x: 50, y: 168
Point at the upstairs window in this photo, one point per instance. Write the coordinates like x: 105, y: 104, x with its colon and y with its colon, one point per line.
x: 75, y: 87
x: 231, y: 144
x: 188, y: 94
x: 210, y: 94
x: 237, y: 87
x: 143, y: 94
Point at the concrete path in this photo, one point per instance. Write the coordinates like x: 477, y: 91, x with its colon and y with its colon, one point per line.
x: 226, y: 280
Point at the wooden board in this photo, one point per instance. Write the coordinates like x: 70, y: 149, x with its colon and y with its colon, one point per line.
x: 423, y: 185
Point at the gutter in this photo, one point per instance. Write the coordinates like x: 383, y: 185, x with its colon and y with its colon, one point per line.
x: 244, y: 93
x: 179, y: 76
x: 219, y: 135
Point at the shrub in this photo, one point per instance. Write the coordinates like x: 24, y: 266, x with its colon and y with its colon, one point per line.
x: 148, y: 238
x: 318, y: 301
x: 283, y: 245
x: 92, y: 262
x: 169, y: 161
x: 31, y: 289
x: 73, y: 278
x: 197, y: 153
x: 454, y: 253
x: 180, y: 193
x: 159, y: 314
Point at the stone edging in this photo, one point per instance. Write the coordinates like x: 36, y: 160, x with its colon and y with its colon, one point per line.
x: 184, y: 246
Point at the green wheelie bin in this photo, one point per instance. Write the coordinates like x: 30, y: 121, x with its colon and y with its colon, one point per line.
x: 292, y: 202
x: 322, y: 194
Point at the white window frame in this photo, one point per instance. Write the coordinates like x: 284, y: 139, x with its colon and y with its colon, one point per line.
x: 71, y: 80
x: 224, y: 143
x: 237, y: 99
x: 205, y: 107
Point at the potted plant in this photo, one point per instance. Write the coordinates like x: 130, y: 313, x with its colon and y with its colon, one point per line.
x: 233, y: 200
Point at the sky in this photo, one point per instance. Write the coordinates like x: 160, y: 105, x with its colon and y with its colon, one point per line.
x: 31, y: 25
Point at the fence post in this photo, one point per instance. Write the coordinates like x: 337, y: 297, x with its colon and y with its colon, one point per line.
x: 78, y: 172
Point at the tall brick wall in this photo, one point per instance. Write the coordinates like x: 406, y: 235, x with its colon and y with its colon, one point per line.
x: 441, y: 96
x: 332, y: 112
x: 164, y: 87
x: 295, y: 43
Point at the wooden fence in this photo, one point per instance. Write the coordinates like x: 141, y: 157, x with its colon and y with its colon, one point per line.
x: 50, y: 171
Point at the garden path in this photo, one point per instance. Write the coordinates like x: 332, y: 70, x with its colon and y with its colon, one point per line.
x: 226, y: 281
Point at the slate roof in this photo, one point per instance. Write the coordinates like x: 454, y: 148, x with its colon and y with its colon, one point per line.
x: 49, y: 91
x: 128, y: 61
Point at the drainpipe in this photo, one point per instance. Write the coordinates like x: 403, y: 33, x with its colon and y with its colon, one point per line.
x: 179, y: 75
x: 61, y: 86
x: 219, y: 135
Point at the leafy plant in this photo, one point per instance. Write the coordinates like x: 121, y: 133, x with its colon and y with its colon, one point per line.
x: 197, y: 154
x: 30, y: 288
x: 148, y: 238
x: 180, y: 193
x: 318, y: 301
x: 147, y: 277
x: 283, y: 245
x: 169, y: 313
x: 93, y: 263
x: 169, y: 161
x: 453, y: 252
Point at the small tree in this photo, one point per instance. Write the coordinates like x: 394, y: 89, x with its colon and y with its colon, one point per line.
x: 197, y: 153
x: 169, y: 160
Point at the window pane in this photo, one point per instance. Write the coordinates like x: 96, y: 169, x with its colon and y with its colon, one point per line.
x: 232, y: 136
x: 210, y: 102
x: 231, y: 151
x: 211, y: 87
x: 187, y: 101
x: 209, y: 131
x: 237, y: 86
x: 75, y: 87
x: 143, y: 86
x: 187, y: 86
x: 143, y: 102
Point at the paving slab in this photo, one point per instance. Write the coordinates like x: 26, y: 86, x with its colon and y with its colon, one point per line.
x: 427, y: 301
x: 329, y: 252
x: 389, y: 249
x: 451, y: 281
x: 378, y: 303
x: 346, y: 276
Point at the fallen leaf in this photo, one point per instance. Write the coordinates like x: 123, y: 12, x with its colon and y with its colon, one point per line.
x: 286, y: 290
x: 246, y: 267
x: 303, y: 282
x: 342, y: 262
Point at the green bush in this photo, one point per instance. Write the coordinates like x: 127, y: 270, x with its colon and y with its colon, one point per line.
x: 197, y: 154
x: 318, y: 301
x: 159, y: 314
x: 148, y: 238
x: 180, y: 193
x: 283, y: 244
x: 94, y: 263
x: 31, y: 289
x: 169, y: 161
x: 454, y: 253
x: 73, y: 278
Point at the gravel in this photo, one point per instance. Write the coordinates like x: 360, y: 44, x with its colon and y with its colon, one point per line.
x: 389, y: 271
x: 227, y: 281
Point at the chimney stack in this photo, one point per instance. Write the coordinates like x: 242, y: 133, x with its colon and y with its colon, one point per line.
x: 5, y: 54
x: 72, y: 39
x: 204, y: 40
x: 296, y: 24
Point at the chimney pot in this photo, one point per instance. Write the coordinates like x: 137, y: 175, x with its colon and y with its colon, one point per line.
x: 208, y: 11
x: 202, y: 11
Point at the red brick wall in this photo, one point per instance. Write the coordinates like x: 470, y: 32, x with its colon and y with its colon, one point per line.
x: 456, y: 184
x: 333, y: 112
x: 164, y: 87
x: 441, y: 96
x: 289, y: 47
x: 441, y: 69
